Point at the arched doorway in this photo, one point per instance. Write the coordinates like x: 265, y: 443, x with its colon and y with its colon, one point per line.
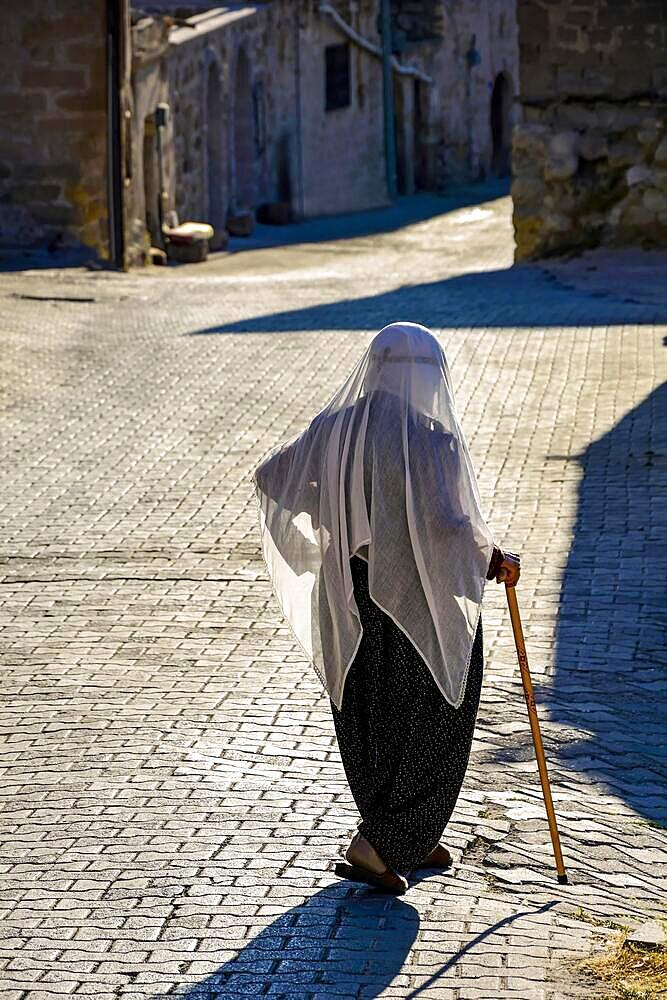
x: 501, y: 124
x: 214, y: 149
x: 244, y: 136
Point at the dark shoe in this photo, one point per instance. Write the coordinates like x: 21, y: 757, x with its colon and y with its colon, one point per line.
x: 438, y: 858
x: 387, y: 881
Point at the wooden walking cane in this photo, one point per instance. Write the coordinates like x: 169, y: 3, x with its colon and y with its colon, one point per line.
x: 535, y: 729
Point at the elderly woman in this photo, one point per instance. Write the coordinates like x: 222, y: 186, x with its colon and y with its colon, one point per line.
x: 378, y: 552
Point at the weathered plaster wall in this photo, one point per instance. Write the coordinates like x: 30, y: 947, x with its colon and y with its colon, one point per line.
x: 343, y: 149
x: 53, y: 183
x: 590, y: 159
x: 232, y: 85
x: 150, y: 87
x: 478, y: 43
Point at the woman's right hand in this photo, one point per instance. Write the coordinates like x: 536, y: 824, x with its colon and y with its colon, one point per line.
x: 509, y: 569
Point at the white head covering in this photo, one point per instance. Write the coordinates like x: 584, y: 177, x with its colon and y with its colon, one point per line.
x: 384, y: 465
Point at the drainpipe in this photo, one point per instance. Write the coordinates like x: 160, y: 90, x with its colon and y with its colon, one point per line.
x: 388, y: 99
x: 299, y: 123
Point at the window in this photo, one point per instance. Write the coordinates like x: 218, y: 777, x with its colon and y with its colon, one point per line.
x: 337, y: 63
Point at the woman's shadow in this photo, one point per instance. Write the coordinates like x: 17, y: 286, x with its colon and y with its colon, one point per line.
x: 342, y: 938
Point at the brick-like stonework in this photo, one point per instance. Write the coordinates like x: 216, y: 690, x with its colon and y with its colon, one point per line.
x: 171, y: 793
x: 263, y: 67
x: 590, y: 158
x: 53, y: 183
x: 475, y: 49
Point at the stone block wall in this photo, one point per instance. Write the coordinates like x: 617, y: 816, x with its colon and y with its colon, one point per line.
x: 476, y: 51
x: 232, y: 90
x: 590, y: 157
x: 343, y: 153
x: 248, y: 94
x: 53, y: 183
x: 150, y: 87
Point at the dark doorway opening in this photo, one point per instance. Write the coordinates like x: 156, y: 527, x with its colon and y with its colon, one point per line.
x: 501, y: 124
x: 404, y: 133
x: 151, y: 182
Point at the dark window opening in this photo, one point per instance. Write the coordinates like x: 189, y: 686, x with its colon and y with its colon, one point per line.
x: 337, y: 62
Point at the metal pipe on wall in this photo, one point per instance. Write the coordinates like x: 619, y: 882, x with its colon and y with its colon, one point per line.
x: 388, y: 100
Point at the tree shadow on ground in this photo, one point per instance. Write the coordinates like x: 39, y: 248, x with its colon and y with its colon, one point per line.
x: 610, y: 641
x: 519, y: 296
x: 343, y: 941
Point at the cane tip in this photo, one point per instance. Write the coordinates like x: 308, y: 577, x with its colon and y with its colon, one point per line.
x: 562, y: 879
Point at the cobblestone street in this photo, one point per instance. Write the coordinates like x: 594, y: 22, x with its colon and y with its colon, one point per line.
x: 172, y: 794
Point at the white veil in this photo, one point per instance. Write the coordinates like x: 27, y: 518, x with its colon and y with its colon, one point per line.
x: 383, y: 465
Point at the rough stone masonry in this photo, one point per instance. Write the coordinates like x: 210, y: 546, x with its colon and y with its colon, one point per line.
x: 590, y: 157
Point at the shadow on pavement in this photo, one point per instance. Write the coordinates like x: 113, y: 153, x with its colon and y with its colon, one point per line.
x: 42, y: 259
x: 342, y: 941
x: 340, y: 937
x: 405, y: 211
x: 519, y: 296
x: 610, y: 641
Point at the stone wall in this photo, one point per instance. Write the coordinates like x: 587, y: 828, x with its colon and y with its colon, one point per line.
x: 265, y: 69
x: 232, y: 83
x: 343, y: 151
x: 474, y: 57
x: 250, y: 125
x: 53, y: 175
x: 150, y: 87
x: 590, y: 158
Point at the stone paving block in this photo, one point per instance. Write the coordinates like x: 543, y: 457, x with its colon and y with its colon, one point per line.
x: 171, y: 788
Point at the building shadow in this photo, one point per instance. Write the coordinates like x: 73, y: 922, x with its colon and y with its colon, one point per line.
x: 405, y: 211
x: 343, y: 942
x: 519, y: 296
x: 43, y: 259
x: 610, y: 681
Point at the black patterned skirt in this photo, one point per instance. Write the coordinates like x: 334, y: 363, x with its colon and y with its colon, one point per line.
x: 404, y: 748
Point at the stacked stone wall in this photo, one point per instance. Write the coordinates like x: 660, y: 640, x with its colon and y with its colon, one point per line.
x: 53, y: 181
x: 477, y: 44
x: 590, y: 157
x: 321, y: 162
x: 265, y: 39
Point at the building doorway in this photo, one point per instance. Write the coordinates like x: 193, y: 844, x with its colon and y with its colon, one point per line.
x: 214, y: 149
x: 404, y: 135
x: 501, y: 124
x: 423, y: 178
x: 151, y: 182
x: 244, y: 136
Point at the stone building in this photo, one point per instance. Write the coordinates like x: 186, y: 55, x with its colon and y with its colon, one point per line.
x: 281, y: 104
x: 590, y: 157
x: 61, y: 143
x: 462, y: 123
x: 273, y: 108
x: 257, y: 116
